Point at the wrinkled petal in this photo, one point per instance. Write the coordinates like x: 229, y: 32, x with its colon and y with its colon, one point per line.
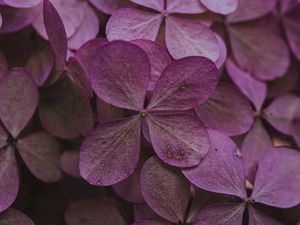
x: 165, y: 190
x: 225, y: 7
x: 184, y: 84
x: 277, y: 179
x: 258, y: 218
x: 179, y: 140
x: 130, y: 24
x: 40, y: 153
x: 120, y: 74
x: 111, y: 151
x: 222, y: 170
x: 14, y: 217
x: 187, y: 37
x: 186, y: 7
x: 227, y: 111
x: 153, y: 4
x: 109, y: 6
x: 69, y: 162
x: 18, y: 100
x: 22, y: 3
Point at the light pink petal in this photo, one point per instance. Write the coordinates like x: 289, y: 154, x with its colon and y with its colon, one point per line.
x: 22, y: 3
x: 18, y: 100
x: 227, y: 111
x: 258, y: 218
x: 111, y: 152
x: 153, y: 4
x: 223, y: 51
x: 92, y: 211
x: 225, y: 7
x: 255, y: 144
x: 69, y: 162
x: 186, y: 7
x: 9, y: 184
x: 120, y: 74
x: 281, y: 111
x: 130, y: 24
x: 250, y: 10
x: 40, y: 153
x: 109, y: 6
x: 277, y: 179
x: 165, y: 190
x: 187, y: 37
x: 158, y: 56
x: 221, y: 214
x: 253, y: 89
x: 87, y: 30
x: 246, y: 42
x: 107, y: 112
x: 222, y: 170
x: 14, y: 217
x: 179, y: 140
x: 184, y: 84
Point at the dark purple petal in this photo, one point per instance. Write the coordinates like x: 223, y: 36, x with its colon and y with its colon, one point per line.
x: 258, y: 218
x: 3, y: 136
x: 227, y: 111
x: 9, y: 184
x: 111, y: 152
x: 69, y: 162
x: 120, y: 74
x: 18, y: 100
x: 187, y: 37
x: 223, y: 51
x: 22, y: 3
x: 3, y: 65
x: 107, y: 112
x: 179, y: 140
x: 186, y: 7
x: 222, y: 170
x: 144, y: 212
x: 165, y: 190
x: 109, y: 6
x: 277, y: 179
x: 152, y: 222
x: 14, y: 217
x: 225, y: 7
x: 154, y: 4
x: 295, y: 127
x: 184, y: 84
x: 40, y: 153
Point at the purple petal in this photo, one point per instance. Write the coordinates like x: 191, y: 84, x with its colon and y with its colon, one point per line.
x: 56, y: 33
x: 3, y: 136
x: 3, y: 65
x: 258, y: 218
x: 14, y: 217
x: 158, y: 56
x: 254, y: 90
x: 250, y: 10
x: 295, y: 127
x: 221, y: 171
x: 184, y: 84
x: 107, y: 112
x: 22, y: 3
x: 187, y: 37
x: 91, y: 211
x: 18, y: 100
x: 40, y: 153
x: 273, y: 54
x: 165, y: 190
x: 144, y: 212
x: 277, y: 179
x: 130, y: 24
x: 69, y: 162
x: 255, y: 144
x: 111, y: 151
x: 120, y: 74
x: 154, y: 4
x: 9, y: 184
x: 152, y: 222
x: 223, y: 51
x: 227, y: 111
x: 281, y: 111
x: 186, y: 7
x: 109, y: 6
x: 286, y: 6
x: 221, y: 214
x: 225, y: 7
x: 179, y: 140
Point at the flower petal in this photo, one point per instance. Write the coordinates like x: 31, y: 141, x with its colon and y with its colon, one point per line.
x: 69, y: 162
x: 152, y: 222
x: 154, y: 4
x: 295, y: 126
x: 14, y: 217
x: 21, y: 3
x: 3, y: 65
x: 223, y: 51
x: 179, y: 140
x: 184, y: 84
x: 111, y: 152
x: 107, y: 112
x: 258, y: 218
x: 225, y: 7
x: 186, y: 7
x: 109, y: 6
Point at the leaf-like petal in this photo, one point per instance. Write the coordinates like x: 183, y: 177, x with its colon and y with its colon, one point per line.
x: 179, y: 140
x: 258, y: 218
x: 184, y: 84
x: 165, y: 190
x: 109, y: 6
x: 154, y: 4
x: 69, y: 162
x: 186, y: 7
x: 22, y: 3
x: 225, y: 7
x: 14, y: 217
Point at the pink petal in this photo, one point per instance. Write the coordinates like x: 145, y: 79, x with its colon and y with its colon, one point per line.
x: 22, y: 3
x: 187, y: 37
x: 281, y: 111
x: 9, y: 184
x: 91, y: 211
x: 184, y: 84
x: 295, y: 127
x: 107, y: 112
x: 69, y: 162
x: 186, y: 7
x: 109, y: 6
x: 246, y: 42
x: 14, y: 217
x: 225, y: 7
x: 130, y: 24
x: 222, y: 171
x: 221, y: 214
x: 253, y: 89
x: 40, y: 153
x: 172, y: 199
x: 120, y: 74
x: 277, y: 179
x: 18, y: 100
x: 258, y: 218
x: 227, y: 111
x: 153, y: 4
x: 179, y: 140
x: 111, y: 151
